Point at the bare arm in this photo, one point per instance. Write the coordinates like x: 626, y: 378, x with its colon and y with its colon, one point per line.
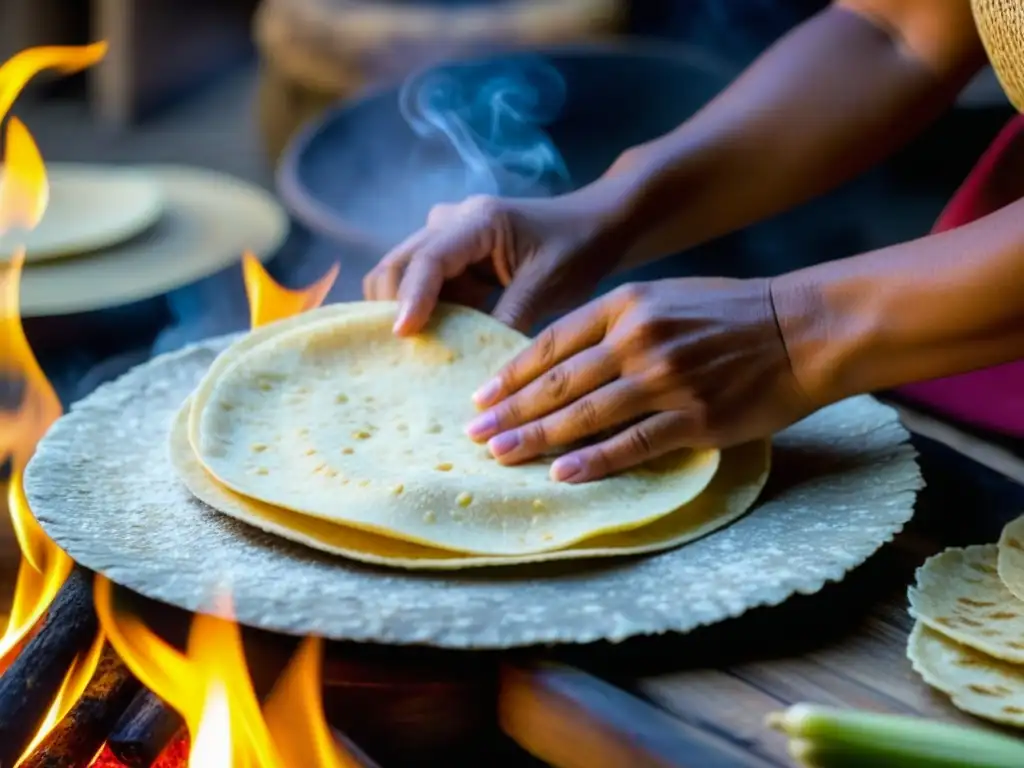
x: 835, y: 96
x: 938, y: 306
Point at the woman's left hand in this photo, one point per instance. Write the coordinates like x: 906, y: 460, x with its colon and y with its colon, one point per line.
x: 658, y: 366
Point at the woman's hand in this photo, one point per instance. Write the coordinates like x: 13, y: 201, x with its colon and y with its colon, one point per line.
x: 659, y: 366
x: 547, y: 254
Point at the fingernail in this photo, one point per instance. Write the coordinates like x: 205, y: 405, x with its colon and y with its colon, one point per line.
x: 566, y: 468
x: 488, y: 392
x: 483, y: 426
x: 503, y: 443
x: 401, y: 320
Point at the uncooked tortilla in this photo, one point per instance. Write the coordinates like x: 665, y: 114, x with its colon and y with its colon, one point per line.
x: 960, y: 595
x: 89, y: 208
x: 338, y: 418
x: 741, y: 476
x: 976, y: 683
x: 1011, y: 557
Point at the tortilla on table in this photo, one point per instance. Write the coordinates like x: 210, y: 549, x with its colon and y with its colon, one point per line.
x: 1011, y: 557
x: 960, y: 595
x: 975, y: 682
x: 335, y: 417
x: 741, y: 476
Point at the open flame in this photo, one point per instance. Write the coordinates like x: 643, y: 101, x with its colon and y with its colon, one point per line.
x: 24, y: 194
x: 209, y: 684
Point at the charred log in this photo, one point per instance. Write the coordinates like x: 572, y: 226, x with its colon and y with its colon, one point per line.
x: 77, y: 739
x: 31, y: 683
x: 145, y: 730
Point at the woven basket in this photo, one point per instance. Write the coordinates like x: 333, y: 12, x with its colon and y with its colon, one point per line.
x: 1001, y: 25
x: 315, y: 52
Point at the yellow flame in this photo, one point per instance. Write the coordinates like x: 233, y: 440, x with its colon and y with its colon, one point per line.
x: 269, y: 301
x: 212, y: 745
x: 75, y: 681
x: 24, y: 194
x: 295, y: 713
x: 22, y: 67
x: 24, y: 189
x: 44, y: 566
x: 209, y: 684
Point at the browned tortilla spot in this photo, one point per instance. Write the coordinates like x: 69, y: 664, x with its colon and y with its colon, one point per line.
x: 1002, y: 615
x: 989, y: 690
x: 1012, y: 710
x: 1014, y: 543
x: 968, y: 662
x: 975, y: 603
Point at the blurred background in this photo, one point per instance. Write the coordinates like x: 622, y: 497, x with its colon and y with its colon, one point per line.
x: 224, y: 83
x: 298, y: 107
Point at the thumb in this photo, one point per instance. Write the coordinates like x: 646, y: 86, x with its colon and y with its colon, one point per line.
x: 530, y: 295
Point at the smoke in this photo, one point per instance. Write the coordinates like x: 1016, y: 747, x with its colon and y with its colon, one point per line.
x: 493, y: 115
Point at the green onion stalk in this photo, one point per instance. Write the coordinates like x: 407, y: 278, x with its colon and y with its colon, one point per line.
x: 825, y: 737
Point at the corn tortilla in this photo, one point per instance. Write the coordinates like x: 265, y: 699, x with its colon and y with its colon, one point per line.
x: 332, y: 416
x: 976, y: 683
x: 1011, y: 557
x: 960, y: 595
x: 741, y: 476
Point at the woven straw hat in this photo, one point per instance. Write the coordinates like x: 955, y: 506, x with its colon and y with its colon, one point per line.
x: 1001, y: 25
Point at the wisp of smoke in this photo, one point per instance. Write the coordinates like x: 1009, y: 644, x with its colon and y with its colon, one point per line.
x: 493, y: 114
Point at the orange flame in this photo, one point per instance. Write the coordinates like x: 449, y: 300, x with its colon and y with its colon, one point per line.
x: 209, y: 684
x: 24, y: 193
x: 269, y: 301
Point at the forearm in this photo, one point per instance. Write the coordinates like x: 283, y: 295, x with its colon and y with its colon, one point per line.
x: 831, y: 99
x: 945, y: 304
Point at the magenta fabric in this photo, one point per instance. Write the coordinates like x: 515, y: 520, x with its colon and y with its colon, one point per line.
x: 993, y: 398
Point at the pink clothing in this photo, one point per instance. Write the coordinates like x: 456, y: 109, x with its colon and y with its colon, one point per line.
x: 993, y: 398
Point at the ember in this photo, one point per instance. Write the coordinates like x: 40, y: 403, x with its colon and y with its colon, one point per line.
x: 72, y: 663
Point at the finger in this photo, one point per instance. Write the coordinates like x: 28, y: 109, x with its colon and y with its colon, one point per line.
x: 386, y: 279
x: 639, y: 443
x: 444, y: 256
x: 418, y: 294
x: 522, y: 303
x: 578, y: 330
x: 565, y: 383
x: 377, y: 280
x: 611, y: 406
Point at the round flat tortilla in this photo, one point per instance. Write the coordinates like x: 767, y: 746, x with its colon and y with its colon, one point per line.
x: 89, y: 208
x: 741, y: 476
x: 974, y: 682
x: 337, y: 418
x: 1011, y: 557
x: 207, y: 221
x: 960, y: 595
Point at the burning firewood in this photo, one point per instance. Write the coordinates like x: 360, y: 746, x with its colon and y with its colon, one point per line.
x: 144, y: 731
x: 30, y: 685
x: 82, y: 732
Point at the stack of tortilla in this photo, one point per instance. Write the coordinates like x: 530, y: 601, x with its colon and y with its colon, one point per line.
x: 328, y: 430
x: 968, y: 639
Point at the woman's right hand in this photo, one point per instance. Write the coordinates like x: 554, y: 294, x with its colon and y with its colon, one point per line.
x: 547, y: 255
